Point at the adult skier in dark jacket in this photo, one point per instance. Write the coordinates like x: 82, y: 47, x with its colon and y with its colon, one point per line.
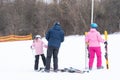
x: 54, y: 37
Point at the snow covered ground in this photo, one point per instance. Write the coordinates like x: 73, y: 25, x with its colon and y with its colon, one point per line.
x: 17, y: 60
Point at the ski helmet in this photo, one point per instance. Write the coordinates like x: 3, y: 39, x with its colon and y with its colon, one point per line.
x: 93, y: 25
x: 37, y: 36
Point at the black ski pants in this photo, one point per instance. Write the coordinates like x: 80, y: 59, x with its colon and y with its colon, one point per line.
x: 37, y: 61
x: 52, y: 51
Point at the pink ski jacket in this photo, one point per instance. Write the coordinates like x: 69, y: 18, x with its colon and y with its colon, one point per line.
x: 38, y: 46
x: 93, y: 38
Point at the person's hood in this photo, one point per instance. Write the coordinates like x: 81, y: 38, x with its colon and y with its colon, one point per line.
x: 57, y: 26
x: 92, y: 30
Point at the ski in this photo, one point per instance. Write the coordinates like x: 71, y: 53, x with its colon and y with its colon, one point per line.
x: 72, y: 70
x: 68, y: 70
x: 41, y: 69
x: 106, y: 49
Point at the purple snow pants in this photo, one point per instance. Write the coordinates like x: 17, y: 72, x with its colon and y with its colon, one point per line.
x: 92, y: 52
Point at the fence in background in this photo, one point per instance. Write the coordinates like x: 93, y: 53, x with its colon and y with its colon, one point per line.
x: 15, y: 38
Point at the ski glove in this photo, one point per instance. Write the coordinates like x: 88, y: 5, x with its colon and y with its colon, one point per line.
x: 88, y: 55
x: 105, y: 42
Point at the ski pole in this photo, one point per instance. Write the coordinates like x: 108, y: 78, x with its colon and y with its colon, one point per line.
x: 86, y: 54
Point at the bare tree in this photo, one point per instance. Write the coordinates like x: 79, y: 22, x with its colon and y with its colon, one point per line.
x: 36, y: 16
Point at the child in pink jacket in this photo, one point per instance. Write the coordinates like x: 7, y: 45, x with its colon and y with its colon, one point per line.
x: 93, y: 38
x: 37, y: 46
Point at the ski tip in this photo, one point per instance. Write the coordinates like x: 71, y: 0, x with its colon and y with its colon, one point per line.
x: 86, y: 71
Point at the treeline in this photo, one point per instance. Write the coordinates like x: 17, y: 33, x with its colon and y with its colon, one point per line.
x: 22, y: 17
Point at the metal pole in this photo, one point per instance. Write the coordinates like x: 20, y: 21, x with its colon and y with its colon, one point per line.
x: 92, y: 11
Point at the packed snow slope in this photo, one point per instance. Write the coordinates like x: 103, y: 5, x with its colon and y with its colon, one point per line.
x: 17, y: 60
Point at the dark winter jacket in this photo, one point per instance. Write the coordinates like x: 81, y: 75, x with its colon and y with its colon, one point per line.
x: 55, y: 36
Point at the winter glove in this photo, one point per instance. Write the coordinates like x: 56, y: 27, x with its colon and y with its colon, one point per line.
x: 31, y: 47
x: 88, y: 55
x: 105, y: 43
